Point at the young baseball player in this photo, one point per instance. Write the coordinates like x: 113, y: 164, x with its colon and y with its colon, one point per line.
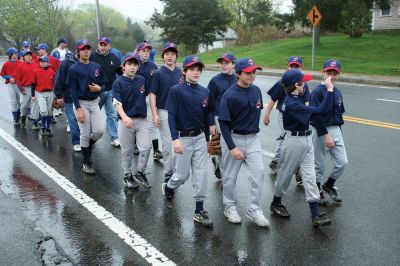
x: 297, y: 147
x: 188, y: 108
x: 25, y: 76
x: 327, y: 132
x: 217, y: 86
x: 43, y: 49
x: 86, y: 80
x: 42, y: 92
x: 26, y: 46
x: 163, y: 79
x: 129, y: 99
x: 278, y: 95
x: 8, y: 72
x: 239, y: 116
x: 147, y: 70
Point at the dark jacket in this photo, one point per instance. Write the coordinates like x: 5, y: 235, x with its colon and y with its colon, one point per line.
x: 110, y: 65
x: 61, y: 89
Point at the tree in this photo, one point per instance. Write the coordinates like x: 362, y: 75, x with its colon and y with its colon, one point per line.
x: 191, y: 22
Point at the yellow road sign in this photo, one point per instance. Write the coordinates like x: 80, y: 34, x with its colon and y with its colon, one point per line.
x: 314, y: 16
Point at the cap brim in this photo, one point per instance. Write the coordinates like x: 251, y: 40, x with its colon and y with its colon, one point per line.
x: 104, y: 42
x: 130, y: 58
x: 295, y: 63
x: 251, y: 69
x: 307, y: 77
x: 84, y: 45
x: 146, y: 46
x: 332, y: 68
x: 223, y: 59
x: 28, y: 53
x: 170, y: 48
x: 194, y: 63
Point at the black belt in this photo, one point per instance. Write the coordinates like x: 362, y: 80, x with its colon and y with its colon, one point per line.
x: 301, y: 133
x: 192, y: 133
x: 240, y: 132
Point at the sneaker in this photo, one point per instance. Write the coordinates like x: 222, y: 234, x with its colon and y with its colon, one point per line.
x: 321, y: 220
x: 299, y: 180
x: 167, y: 178
x: 322, y: 199
x: 257, y: 217
x: 115, y: 143
x: 167, y: 194
x: 141, y: 179
x: 332, y: 192
x: 280, y: 210
x: 130, y: 182
x: 68, y: 128
x: 23, y: 124
x: 202, y: 218
x: 48, y: 133
x: 232, y: 214
x: 43, y: 132
x: 35, y: 127
x: 16, y: 124
x: 77, y: 148
x: 88, y: 169
x: 157, y: 155
x: 273, y: 166
x: 53, y: 120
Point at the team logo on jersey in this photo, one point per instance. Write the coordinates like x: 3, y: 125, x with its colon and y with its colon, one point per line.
x: 205, y: 102
x: 258, y: 104
x: 141, y: 89
x: 111, y: 63
x: 181, y: 80
x: 251, y: 62
x: 97, y: 73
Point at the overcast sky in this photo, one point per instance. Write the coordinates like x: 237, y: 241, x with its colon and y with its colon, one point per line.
x: 143, y: 9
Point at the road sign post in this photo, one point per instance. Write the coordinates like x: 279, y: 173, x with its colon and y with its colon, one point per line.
x: 315, y: 18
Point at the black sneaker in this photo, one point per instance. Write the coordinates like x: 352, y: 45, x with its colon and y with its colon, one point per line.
x: 53, y: 120
x: 280, y: 210
x: 48, y: 133
x: 203, y: 219
x: 43, y: 132
x: 332, y: 192
x: 88, y: 169
x: 322, y: 199
x: 167, y: 194
x: 157, y: 155
x: 167, y: 178
x: 16, y: 124
x: 321, y: 220
x: 23, y: 124
x: 141, y: 179
x: 130, y: 182
x: 35, y: 127
x: 273, y: 166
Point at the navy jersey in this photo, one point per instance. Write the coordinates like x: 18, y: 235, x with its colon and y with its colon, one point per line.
x: 188, y: 107
x: 80, y: 76
x: 277, y: 94
x: 217, y: 86
x: 163, y: 79
x: 147, y: 70
x: 131, y: 94
x: 296, y: 115
x: 334, y: 116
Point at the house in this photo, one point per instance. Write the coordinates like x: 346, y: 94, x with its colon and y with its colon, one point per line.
x: 227, y: 39
x: 386, y: 19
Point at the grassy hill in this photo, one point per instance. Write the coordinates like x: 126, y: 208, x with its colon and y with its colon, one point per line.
x: 374, y: 53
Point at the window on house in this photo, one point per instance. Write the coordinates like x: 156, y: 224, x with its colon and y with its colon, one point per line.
x: 386, y: 12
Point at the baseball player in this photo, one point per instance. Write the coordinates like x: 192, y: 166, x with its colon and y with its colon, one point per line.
x: 239, y: 116
x: 8, y: 72
x: 327, y: 133
x: 43, y: 49
x: 163, y: 79
x: 147, y: 70
x: 42, y: 92
x: 217, y: 86
x: 129, y: 98
x: 188, y: 108
x: 278, y: 95
x: 26, y: 46
x: 86, y: 80
x: 297, y: 147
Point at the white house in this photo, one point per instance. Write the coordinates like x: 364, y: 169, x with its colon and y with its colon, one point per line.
x: 386, y: 19
x: 227, y: 39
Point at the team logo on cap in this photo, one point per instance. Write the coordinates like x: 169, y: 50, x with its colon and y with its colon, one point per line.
x: 141, y: 89
x: 97, y: 73
x: 205, y: 102
x: 258, y: 104
x: 295, y: 59
x: 251, y: 62
x: 333, y: 64
x: 195, y: 59
x: 171, y: 45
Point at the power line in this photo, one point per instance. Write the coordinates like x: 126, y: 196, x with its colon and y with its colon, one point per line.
x: 28, y: 7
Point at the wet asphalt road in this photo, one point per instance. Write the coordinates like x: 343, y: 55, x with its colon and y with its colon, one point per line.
x: 364, y: 230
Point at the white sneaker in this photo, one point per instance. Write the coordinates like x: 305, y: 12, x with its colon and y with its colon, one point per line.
x: 68, y: 128
x: 232, y: 214
x: 257, y: 217
x: 115, y: 143
x: 77, y: 148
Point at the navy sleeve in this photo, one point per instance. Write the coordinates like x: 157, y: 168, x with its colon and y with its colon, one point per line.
x: 226, y: 133
x: 116, y: 91
x: 224, y: 113
x: 171, y: 107
x: 317, y: 119
x: 155, y: 84
x: 60, y: 81
x: 73, y: 83
x: 306, y: 96
x: 102, y: 80
x: 276, y: 92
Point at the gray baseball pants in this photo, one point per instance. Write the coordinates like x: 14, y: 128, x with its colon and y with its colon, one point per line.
x: 45, y: 100
x: 92, y: 128
x: 15, y: 95
x: 26, y: 100
x: 166, y: 140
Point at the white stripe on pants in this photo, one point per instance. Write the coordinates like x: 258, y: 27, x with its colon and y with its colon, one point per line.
x: 250, y: 146
x: 26, y: 100
x: 92, y: 128
x: 297, y: 152
x: 337, y: 152
x: 15, y: 95
x: 127, y: 136
x: 45, y: 100
x: 192, y: 161
x: 166, y: 140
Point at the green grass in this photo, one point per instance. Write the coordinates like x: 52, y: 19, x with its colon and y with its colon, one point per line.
x: 374, y: 53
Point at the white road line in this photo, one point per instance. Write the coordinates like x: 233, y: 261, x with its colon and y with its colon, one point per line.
x: 386, y: 100
x: 129, y: 236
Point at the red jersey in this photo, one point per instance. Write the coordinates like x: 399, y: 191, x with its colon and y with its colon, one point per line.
x: 44, y: 79
x: 9, y: 69
x: 24, y: 74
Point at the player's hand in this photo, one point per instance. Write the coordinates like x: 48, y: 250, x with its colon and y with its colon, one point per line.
x: 80, y: 115
x: 236, y: 154
x: 213, y: 130
x: 60, y: 101
x: 12, y: 80
x: 156, y: 120
x: 128, y: 122
x: 266, y: 119
x: 178, y: 147
x: 33, y: 99
x: 94, y: 87
x: 329, y: 143
x: 329, y: 84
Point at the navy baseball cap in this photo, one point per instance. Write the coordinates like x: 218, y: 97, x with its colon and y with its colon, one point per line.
x: 11, y: 51
x: 295, y: 60
x: 332, y: 64
x: 105, y: 40
x: 56, y: 54
x: 26, y: 44
x: 44, y: 58
x: 80, y: 44
x: 228, y: 57
x: 293, y: 76
x: 62, y: 40
x: 169, y: 46
x: 130, y: 56
x: 192, y: 60
x: 144, y: 45
x: 42, y: 46
x: 246, y: 65
x: 26, y: 52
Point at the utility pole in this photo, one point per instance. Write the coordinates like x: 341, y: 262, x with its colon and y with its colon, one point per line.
x: 98, y: 18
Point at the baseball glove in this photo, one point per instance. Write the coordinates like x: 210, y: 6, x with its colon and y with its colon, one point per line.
x: 56, y: 105
x: 214, y: 147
